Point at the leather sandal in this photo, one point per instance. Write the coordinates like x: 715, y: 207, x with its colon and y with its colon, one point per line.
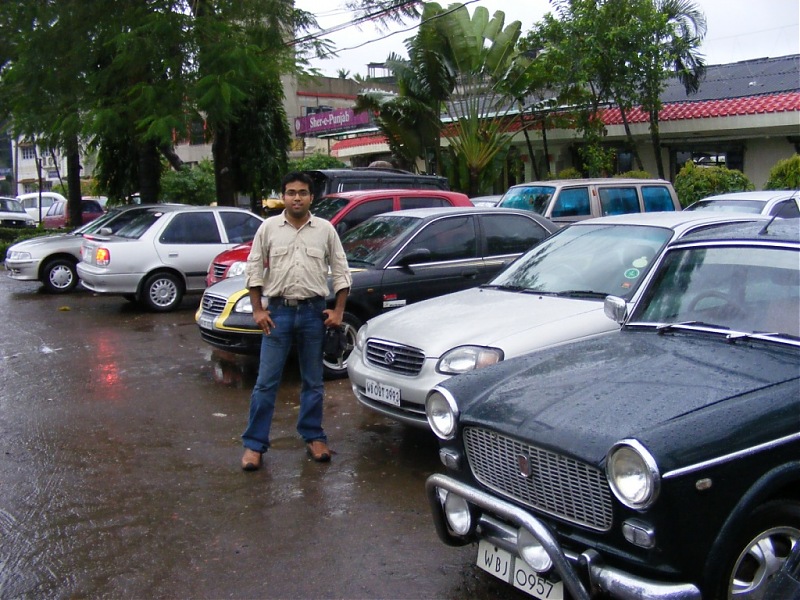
x: 251, y: 460
x: 318, y: 450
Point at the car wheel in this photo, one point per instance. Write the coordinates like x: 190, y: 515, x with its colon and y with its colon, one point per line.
x: 162, y: 292
x: 332, y: 368
x: 59, y: 276
x: 762, y: 549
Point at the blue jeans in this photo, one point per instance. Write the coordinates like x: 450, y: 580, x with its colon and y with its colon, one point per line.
x: 303, y: 327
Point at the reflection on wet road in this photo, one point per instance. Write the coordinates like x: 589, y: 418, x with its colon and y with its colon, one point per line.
x: 120, y: 478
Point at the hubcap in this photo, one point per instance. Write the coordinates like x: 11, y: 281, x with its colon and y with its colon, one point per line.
x: 163, y: 292
x: 761, y: 560
x: 60, y: 277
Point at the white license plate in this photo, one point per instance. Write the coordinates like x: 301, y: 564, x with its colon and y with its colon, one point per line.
x: 205, y: 322
x: 516, y: 571
x: 382, y: 392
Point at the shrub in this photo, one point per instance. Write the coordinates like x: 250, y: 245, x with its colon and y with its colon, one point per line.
x: 635, y: 175
x: 10, y: 236
x: 694, y: 183
x: 191, y: 185
x: 568, y: 173
x: 785, y: 175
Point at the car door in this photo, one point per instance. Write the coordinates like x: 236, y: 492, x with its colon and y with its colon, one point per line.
x: 359, y: 211
x: 442, y: 257
x: 188, y: 243
x: 504, y: 238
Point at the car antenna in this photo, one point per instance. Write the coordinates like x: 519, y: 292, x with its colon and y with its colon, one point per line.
x: 777, y: 214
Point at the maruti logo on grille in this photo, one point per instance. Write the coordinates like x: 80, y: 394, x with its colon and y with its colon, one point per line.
x: 389, y: 357
x: 523, y: 466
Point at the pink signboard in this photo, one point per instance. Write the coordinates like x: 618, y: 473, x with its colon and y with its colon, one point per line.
x: 324, y: 122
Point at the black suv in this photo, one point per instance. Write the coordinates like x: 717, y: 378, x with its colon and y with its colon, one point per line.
x: 333, y: 181
x: 658, y: 461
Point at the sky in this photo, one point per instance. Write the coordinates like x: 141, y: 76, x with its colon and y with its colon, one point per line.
x: 737, y: 30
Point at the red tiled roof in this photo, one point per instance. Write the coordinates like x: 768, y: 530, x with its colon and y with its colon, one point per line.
x: 729, y: 107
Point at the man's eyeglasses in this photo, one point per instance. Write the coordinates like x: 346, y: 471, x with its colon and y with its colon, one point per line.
x: 300, y: 193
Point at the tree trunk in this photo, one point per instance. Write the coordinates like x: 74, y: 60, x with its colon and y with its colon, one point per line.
x: 655, y: 137
x: 531, y: 153
x: 74, y: 182
x: 223, y: 173
x: 149, y: 173
x: 544, y: 142
x: 629, y: 136
x: 168, y: 151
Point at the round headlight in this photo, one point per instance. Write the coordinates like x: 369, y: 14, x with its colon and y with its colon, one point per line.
x: 633, y: 474
x: 532, y: 552
x: 457, y: 512
x: 442, y: 413
x: 236, y: 268
x: 468, y: 358
x: 243, y: 305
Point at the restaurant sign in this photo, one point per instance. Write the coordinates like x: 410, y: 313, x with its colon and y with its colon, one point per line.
x: 326, y: 122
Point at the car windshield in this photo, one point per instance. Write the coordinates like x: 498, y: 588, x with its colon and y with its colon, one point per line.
x: 11, y: 205
x: 371, y: 241
x: 141, y: 222
x: 739, y: 288
x: 587, y: 260
x: 528, y: 197
x: 741, y: 206
x: 327, y: 207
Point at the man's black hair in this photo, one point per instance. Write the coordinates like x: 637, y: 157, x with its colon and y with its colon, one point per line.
x: 297, y: 176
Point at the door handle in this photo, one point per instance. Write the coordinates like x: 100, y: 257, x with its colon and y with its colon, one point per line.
x: 469, y: 273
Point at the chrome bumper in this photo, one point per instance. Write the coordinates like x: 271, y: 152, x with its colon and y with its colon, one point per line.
x: 601, y: 578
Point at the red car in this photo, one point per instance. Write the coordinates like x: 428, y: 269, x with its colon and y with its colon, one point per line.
x: 56, y: 217
x: 344, y: 210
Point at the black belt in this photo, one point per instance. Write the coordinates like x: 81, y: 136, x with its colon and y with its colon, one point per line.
x: 293, y: 301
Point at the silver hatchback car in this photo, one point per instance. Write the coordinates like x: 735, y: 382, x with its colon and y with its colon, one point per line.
x: 162, y: 254
x: 551, y: 295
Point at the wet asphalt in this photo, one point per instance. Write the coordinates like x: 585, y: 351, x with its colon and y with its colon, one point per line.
x: 119, y: 471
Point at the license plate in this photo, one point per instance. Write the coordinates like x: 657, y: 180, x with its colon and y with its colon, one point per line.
x: 382, y: 393
x: 516, y: 571
x: 205, y: 322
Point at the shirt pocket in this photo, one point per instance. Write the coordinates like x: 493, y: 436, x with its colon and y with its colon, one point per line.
x: 278, y: 259
x: 316, y: 254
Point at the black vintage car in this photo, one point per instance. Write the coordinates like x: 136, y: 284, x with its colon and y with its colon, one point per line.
x: 660, y: 461
x: 396, y: 259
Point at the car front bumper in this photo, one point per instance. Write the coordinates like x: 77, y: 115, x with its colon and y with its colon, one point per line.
x: 23, y: 270
x: 501, y: 528
x: 230, y: 331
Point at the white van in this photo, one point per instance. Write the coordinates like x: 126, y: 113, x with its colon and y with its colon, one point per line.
x: 30, y: 202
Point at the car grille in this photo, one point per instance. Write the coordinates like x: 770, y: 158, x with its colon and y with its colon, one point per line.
x: 395, y: 357
x: 219, y: 271
x: 554, y: 484
x: 213, y: 304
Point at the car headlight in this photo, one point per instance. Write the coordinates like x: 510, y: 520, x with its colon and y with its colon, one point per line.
x: 17, y: 255
x: 243, y: 305
x: 361, y: 337
x: 468, y: 358
x: 236, y: 268
x: 442, y: 413
x: 633, y: 474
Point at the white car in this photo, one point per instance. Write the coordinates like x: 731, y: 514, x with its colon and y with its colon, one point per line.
x: 781, y: 203
x: 163, y: 253
x: 13, y: 215
x: 30, y: 202
x: 53, y: 259
x: 551, y: 295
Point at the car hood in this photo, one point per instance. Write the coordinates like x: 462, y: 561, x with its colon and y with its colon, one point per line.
x: 663, y: 390
x: 516, y: 322
x: 47, y: 240
x: 227, y: 287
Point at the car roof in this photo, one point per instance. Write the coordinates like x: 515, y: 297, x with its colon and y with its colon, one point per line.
x: 595, y: 180
x: 349, y: 195
x: 673, y: 219
x: 773, y: 230
x: 426, y: 213
x: 764, y: 195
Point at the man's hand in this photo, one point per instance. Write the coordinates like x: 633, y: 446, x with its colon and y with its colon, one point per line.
x: 333, y: 317
x: 263, y: 320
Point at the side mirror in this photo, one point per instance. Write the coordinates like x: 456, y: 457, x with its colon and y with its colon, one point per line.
x: 615, y: 308
x: 414, y: 256
x: 105, y: 231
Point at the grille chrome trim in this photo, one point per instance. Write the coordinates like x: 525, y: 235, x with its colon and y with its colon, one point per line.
x: 557, y: 485
x: 397, y: 358
x: 213, y: 304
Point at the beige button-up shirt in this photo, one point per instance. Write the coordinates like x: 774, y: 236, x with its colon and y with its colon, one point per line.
x: 294, y: 263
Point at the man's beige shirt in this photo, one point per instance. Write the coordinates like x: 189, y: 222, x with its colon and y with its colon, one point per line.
x: 294, y: 263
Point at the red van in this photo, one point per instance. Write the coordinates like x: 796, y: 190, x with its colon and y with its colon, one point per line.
x: 345, y: 210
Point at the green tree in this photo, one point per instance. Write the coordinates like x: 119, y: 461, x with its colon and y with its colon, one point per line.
x: 785, y: 175
x: 190, y: 185
x: 693, y: 183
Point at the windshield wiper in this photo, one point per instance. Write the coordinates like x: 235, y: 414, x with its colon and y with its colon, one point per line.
x: 582, y: 294
x: 670, y: 326
x: 510, y: 288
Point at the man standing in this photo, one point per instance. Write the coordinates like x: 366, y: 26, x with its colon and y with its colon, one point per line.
x: 287, y: 279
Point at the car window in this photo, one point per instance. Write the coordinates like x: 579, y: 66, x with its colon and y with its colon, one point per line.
x: 450, y: 238
x: 618, y: 200
x: 745, y: 289
x: 29, y: 202
x: 56, y: 209
x: 327, y: 207
x: 657, y: 198
x: 597, y: 259
x: 91, y: 207
x: 240, y: 227
x: 421, y: 202
x: 191, y: 228
x: 510, y: 234
x: 745, y: 206
x: 373, y: 240
x: 529, y: 197
x: 10, y: 205
x: 361, y: 212
x: 135, y: 228
x: 571, y: 202
x: 786, y: 210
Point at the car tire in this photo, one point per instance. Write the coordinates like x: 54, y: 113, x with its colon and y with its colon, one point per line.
x: 761, y: 550
x: 162, y: 292
x: 59, y: 276
x: 331, y: 368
